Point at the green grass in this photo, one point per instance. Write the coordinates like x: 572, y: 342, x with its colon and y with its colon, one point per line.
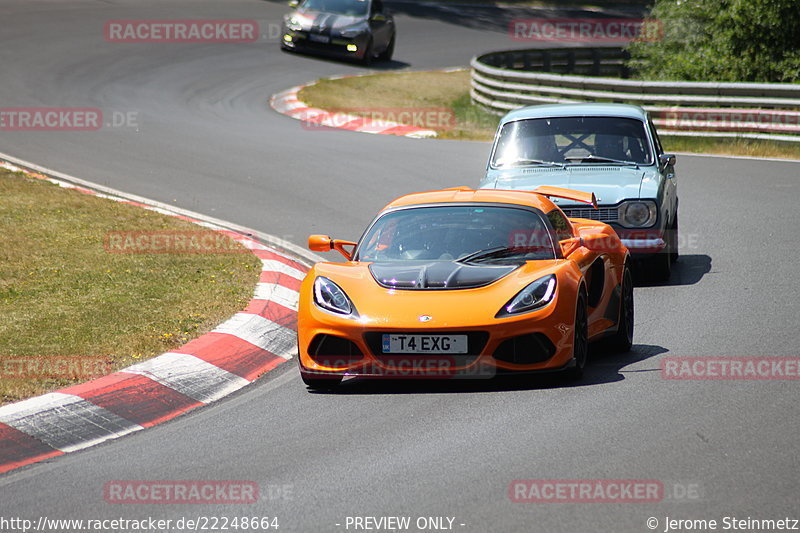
x: 63, y: 296
x: 450, y: 90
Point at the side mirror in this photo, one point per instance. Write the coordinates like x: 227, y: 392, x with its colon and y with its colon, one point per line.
x: 666, y: 160
x: 294, y: 3
x: 323, y: 243
x: 320, y: 243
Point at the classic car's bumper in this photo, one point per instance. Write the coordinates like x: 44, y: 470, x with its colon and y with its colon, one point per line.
x: 642, y: 242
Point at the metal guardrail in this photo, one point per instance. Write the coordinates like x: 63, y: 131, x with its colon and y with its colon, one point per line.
x: 507, y: 80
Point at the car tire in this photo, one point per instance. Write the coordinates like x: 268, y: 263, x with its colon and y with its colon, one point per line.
x: 387, y: 54
x: 674, y: 255
x: 317, y: 382
x: 580, y: 339
x: 369, y: 53
x: 622, y: 341
x: 659, y: 266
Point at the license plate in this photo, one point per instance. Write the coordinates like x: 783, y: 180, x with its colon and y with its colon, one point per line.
x: 319, y: 38
x: 424, y: 343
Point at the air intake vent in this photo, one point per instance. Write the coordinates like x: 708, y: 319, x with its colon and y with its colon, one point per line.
x: 594, y: 169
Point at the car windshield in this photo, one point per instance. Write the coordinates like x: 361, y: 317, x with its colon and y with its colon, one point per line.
x: 353, y: 8
x: 474, y: 234
x: 572, y: 140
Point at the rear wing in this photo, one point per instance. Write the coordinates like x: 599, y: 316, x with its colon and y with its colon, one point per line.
x: 567, y: 194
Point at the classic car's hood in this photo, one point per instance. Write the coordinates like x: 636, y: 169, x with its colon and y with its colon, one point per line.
x: 611, y: 184
x: 321, y: 22
x: 441, y: 275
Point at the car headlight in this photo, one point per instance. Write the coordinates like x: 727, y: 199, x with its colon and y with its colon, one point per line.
x: 293, y: 24
x: 331, y: 297
x: 297, y: 22
x: 534, y: 296
x: 638, y: 214
x: 353, y: 31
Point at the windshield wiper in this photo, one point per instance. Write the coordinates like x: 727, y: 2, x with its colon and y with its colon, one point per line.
x: 600, y: 159
x: 532, y: 162
x: 496, y: 252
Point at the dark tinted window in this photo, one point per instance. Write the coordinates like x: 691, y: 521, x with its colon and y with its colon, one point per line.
x: 561, y: 138
x: 353, y: 8
x: 450, y: 232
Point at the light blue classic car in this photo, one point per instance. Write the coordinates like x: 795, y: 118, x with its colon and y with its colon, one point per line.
x: 611, y: 150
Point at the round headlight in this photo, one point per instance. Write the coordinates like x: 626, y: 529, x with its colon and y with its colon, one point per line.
x: 639, y: 214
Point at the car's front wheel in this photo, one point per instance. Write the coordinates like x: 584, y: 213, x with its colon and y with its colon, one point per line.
x: 387, y: 54
x: 369, y: 53
x: 659, y: 266
x: 675, y: 240
x: 580, y: 342
x: 622, y: 341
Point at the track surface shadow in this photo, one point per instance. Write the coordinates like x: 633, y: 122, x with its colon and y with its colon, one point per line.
x: 603, y: 367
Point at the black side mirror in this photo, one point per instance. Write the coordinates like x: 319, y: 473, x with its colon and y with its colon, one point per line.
x: 666, y: 160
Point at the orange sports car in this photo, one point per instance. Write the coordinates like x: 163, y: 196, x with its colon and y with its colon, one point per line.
x: 464, y: 282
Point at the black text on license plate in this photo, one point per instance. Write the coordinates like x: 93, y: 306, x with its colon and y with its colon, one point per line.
x: 399, y: 343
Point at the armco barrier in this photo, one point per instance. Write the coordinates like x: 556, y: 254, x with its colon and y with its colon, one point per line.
x: 506, y: 80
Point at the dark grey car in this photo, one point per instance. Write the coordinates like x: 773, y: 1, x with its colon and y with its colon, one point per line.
x: 358, y: 29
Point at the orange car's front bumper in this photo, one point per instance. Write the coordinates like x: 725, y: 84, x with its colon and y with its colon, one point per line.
x: 538, y: 341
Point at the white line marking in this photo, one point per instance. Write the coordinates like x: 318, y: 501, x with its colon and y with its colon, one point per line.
x: 270, y: 265
x: 190, y: 375
x: 277, y: 293
x: 65, y: 422
x: 261, y: 332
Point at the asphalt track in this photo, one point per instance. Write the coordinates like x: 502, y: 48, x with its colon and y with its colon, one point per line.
x: 207, y: 141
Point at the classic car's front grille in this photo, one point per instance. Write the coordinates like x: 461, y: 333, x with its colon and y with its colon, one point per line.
x: 604, y: 214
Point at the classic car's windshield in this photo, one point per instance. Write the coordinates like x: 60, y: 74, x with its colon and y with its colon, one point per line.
x: 475, y: 234
x: 572, y: 140
x: 353, y: 8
